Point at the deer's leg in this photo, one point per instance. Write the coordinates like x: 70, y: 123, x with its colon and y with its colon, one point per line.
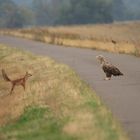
x: 13, y: 86
x: 23, y: 84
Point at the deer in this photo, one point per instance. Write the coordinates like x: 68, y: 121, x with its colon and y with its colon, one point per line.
x: 16, y: 82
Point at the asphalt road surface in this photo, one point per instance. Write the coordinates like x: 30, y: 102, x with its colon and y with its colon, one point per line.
x: 121, y: 94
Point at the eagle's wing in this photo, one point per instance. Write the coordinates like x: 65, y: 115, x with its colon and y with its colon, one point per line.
x: 109, y: 69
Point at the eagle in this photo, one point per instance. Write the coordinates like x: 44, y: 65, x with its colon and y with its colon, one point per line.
x: 108, y: 68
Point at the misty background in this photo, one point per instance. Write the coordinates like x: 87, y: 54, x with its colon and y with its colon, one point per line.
x: 27, y: 13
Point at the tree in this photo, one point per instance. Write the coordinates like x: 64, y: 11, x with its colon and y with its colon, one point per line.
x: 40, y: 8
x: 47, y: 11
x: 87, y: 11
x: 10, y: 14
x: 118, y: 10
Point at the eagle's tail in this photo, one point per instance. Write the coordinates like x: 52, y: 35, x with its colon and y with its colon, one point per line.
x: 121, y: 74
x: 5, y: 76
x: 118, y: 73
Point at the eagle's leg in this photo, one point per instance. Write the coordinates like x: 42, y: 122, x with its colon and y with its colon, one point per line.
x: 108, y: 76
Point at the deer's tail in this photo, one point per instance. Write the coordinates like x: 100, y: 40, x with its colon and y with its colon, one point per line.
x: 5, y: 76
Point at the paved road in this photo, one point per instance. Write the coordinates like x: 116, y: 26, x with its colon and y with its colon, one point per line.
x: 121, y: 94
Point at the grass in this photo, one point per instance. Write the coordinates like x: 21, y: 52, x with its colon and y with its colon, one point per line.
x: 36, y: 124
x: 101, y: 36
x: 56, y: 104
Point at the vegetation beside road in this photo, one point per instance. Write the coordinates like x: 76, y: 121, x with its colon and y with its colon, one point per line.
x: 56, y: 103
x: 118, y: 37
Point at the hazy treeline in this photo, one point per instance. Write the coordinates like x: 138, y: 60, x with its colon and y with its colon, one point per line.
x: 13, y: 15
x: 19, y: 13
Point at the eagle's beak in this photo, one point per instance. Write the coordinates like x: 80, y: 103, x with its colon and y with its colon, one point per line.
x: 97, y: 57
x: 98, y: 60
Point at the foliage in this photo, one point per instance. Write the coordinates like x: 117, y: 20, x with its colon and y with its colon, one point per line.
x: 10, y: 15
x: 17, y: 13
x: 118, y: 10
x: 72, y: 11
x: 86, y: 11
x: 36, y: 124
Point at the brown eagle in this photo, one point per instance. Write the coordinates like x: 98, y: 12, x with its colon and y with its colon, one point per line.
x: 108, y: 68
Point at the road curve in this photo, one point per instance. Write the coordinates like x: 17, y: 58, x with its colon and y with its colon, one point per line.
x: 121, y: 94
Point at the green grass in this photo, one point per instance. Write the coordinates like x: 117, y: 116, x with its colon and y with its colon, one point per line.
x: 36, y: 123
x: 57, y: 105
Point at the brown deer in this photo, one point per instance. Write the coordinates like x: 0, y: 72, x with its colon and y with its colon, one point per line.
x: 16, y: 82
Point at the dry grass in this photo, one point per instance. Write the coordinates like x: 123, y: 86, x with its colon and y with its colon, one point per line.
x: 58, y: 88
x: 126, y: 36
